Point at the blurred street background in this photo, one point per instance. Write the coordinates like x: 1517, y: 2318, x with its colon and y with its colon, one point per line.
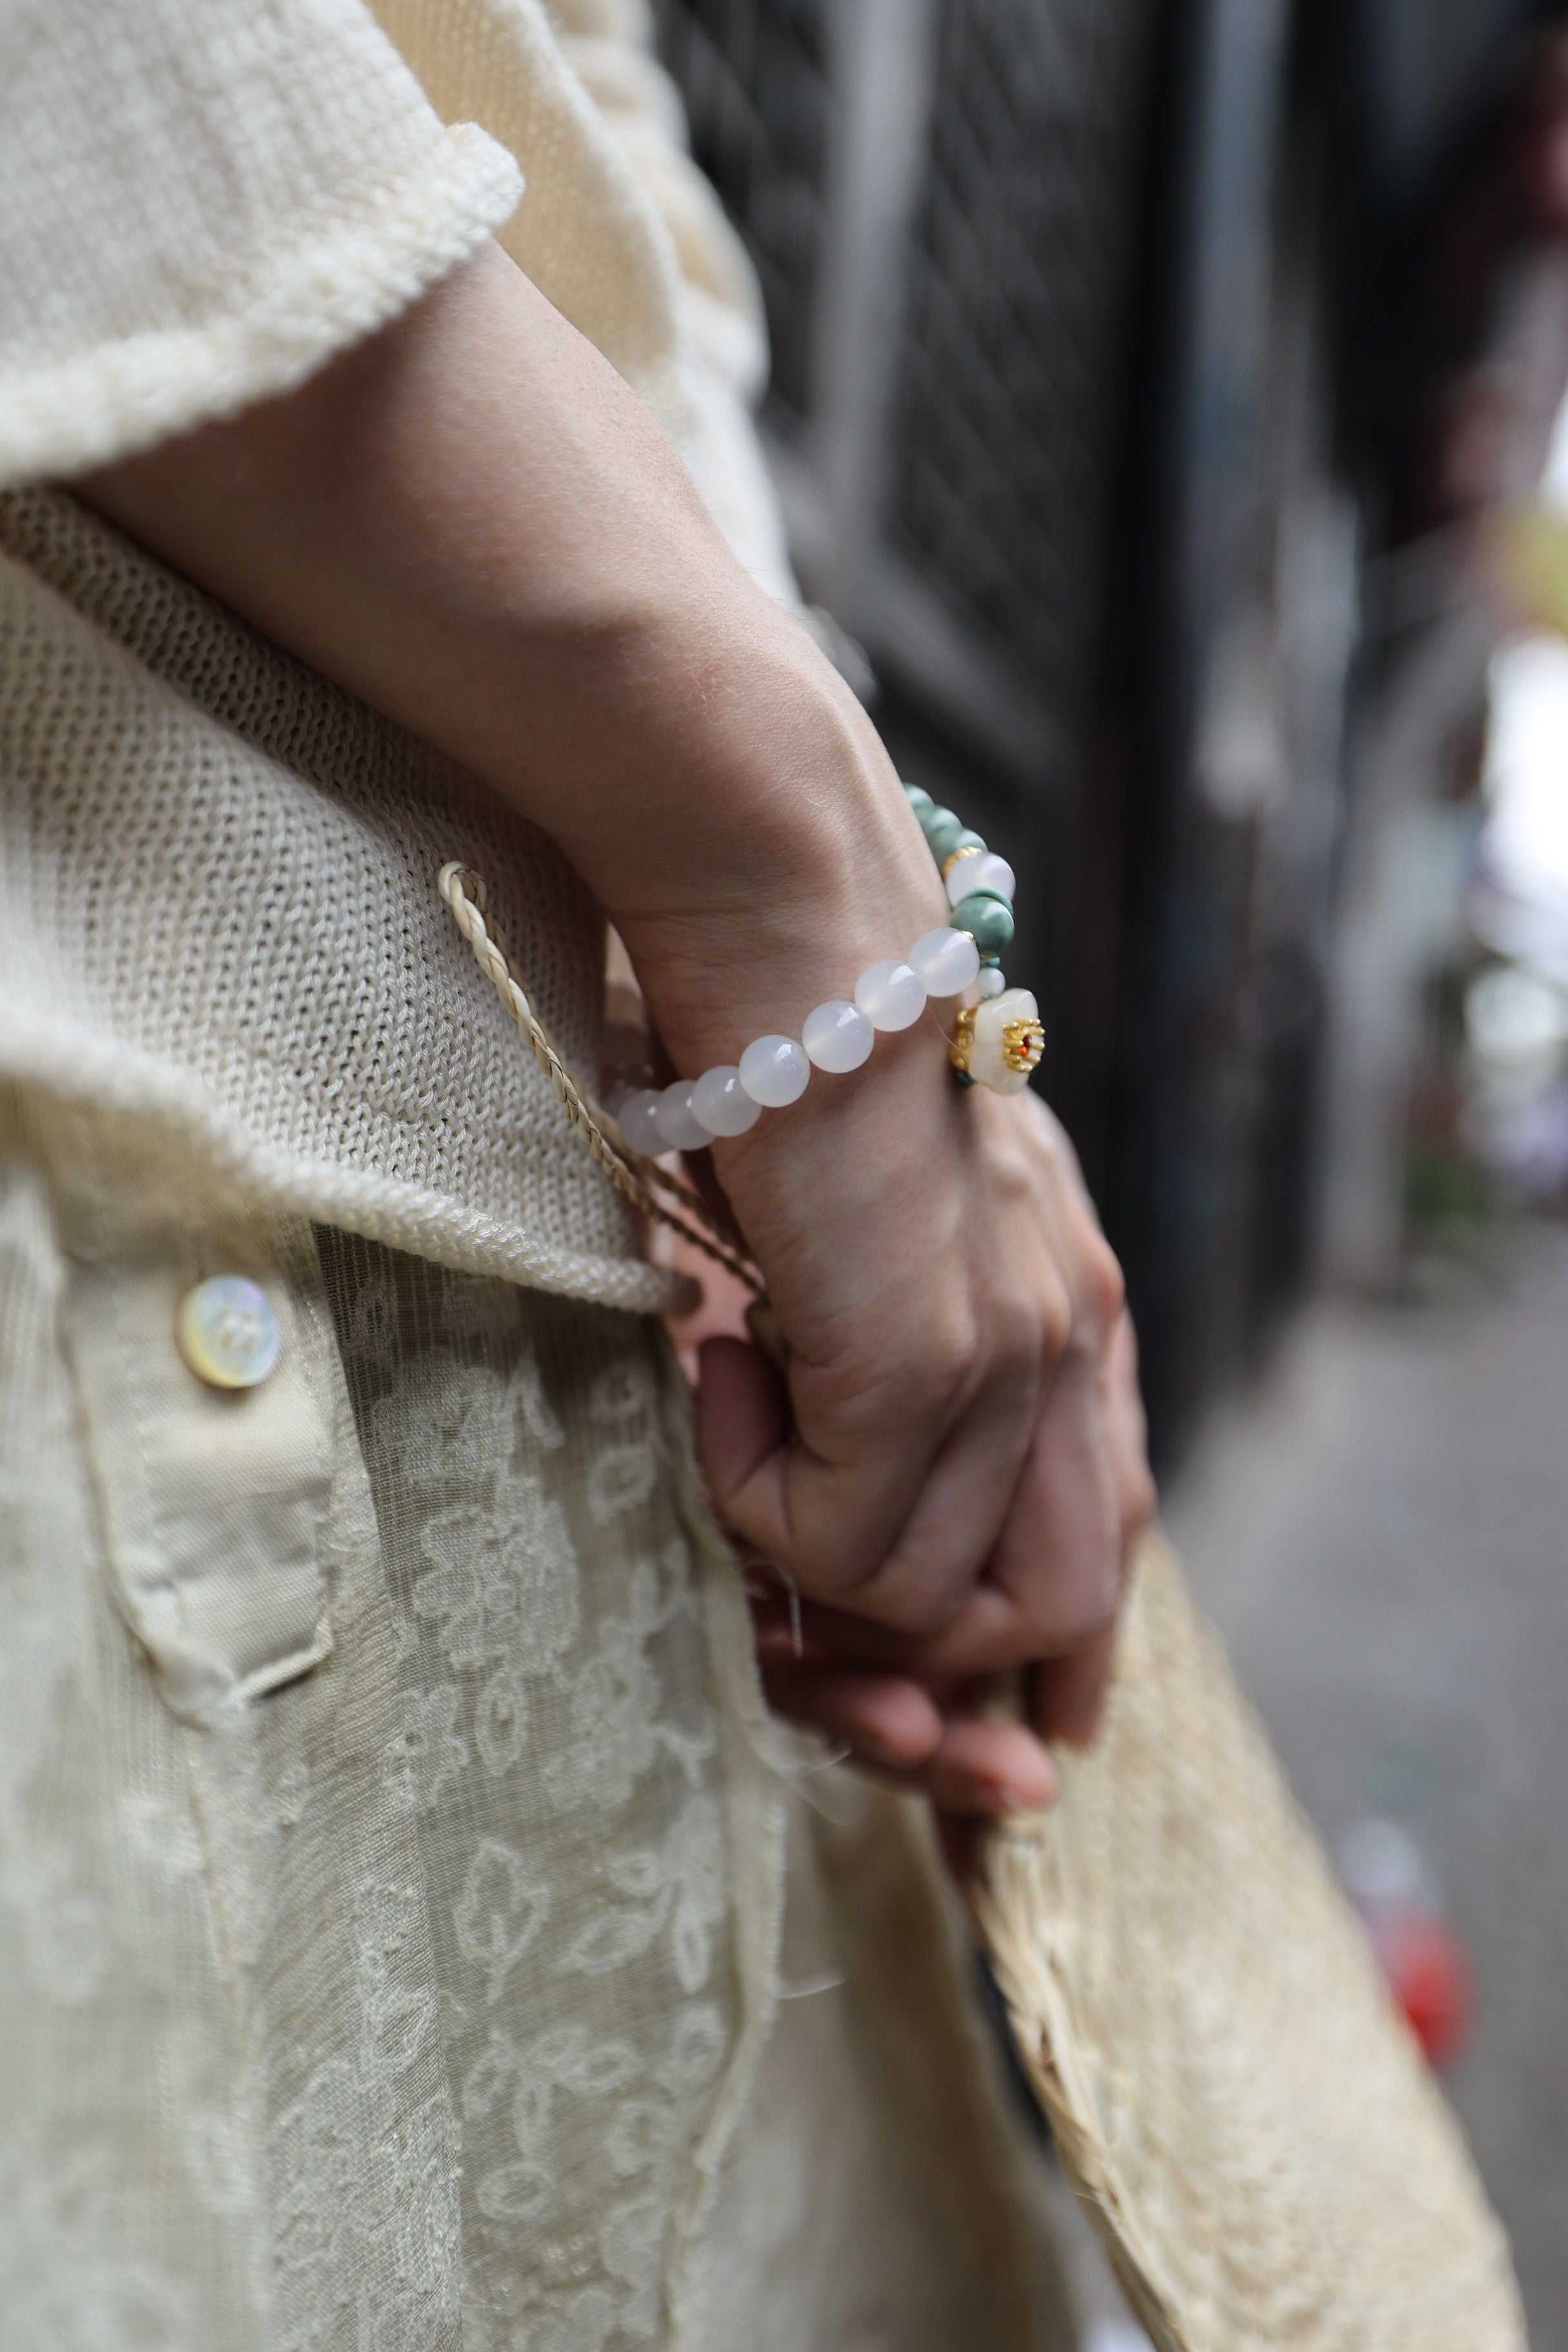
x: 1165, y: 407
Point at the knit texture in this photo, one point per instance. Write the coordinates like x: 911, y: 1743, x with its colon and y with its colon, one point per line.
x: 201, y: 201
x: 219, y: 872
x: 221, y: 905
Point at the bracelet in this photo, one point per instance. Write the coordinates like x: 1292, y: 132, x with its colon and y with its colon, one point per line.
x: 997, y: 1039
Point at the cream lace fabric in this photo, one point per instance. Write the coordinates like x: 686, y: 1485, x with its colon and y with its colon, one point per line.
x: 590, y: 1822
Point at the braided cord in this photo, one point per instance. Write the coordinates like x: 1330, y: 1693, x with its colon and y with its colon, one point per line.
x: 632, y: 1174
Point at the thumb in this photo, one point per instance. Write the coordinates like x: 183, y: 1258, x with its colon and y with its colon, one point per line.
x: 742, y: 1428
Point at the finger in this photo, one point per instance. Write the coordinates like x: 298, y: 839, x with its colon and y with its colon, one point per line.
x: 981, y: 1769
x: 960, y: 1511
x: 984, y: 1767
x: 1085, y: 1494
x: 884, y: 1719
x: 990, y: 1633
x: 1068, y: 1697
x: 1060, y: 1554
x: 896, y: 1531
x: 742, y: 1418
x: 962, y: 1763
x: 1128, y: 1432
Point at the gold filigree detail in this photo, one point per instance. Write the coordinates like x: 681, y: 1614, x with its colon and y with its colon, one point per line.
x: 1023, y: 1043
x: 963, y: 1039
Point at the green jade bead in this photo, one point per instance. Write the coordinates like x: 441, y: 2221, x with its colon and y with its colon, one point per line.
x: 988, y: 921
x: 943, y: 832
x: 968, y: 839
x: 918, y: 799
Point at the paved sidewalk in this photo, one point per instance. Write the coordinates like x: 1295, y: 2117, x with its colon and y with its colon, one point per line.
x: 1380, y: 1530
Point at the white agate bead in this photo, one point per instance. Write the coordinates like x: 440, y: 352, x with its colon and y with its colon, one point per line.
x: 677, y: 1122
x: 722, y: 1102
x: 891, y: 994
x: 636, y: 1116
x: 837, y: 1035
x: 988, y: 980
x: 985, y: 872
x: 775, y: 1071
x: 946, y: 960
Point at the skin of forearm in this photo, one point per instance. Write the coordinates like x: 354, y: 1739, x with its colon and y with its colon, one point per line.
x: 473, y: 524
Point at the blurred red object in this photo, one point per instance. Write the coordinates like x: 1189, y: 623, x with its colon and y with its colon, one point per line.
x: 1423, y: 1961
x: 1429, y: 1977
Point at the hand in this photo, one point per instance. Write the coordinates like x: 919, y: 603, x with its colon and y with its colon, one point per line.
x: 933, y: 1732
x: 880, y: 1694
x: 958, y: 1459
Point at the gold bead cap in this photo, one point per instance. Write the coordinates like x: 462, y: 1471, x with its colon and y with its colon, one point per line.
x: 1023, y: 1044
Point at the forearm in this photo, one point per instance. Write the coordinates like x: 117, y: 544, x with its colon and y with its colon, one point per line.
x: 470, y: 522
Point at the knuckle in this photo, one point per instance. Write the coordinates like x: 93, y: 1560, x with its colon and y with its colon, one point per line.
x: 1104, y: 1285
x: 1139, y: 1499
x: 1014, y: 1341
x: 1055, y: 1321
x: 933, y: 1384
x: 915, y: 1611
x: 1079, y: 1611
x: 1086, y: 1624
x: 943, y: 1369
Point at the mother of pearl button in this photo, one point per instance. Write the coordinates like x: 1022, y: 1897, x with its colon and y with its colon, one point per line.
x: 226, y: 1332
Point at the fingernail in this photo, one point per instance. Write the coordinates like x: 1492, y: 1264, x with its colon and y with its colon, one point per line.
x: 998, y: 1796
x: 1038, y: 1797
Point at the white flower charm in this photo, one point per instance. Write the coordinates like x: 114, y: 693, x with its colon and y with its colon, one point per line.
x: 999, y: 1042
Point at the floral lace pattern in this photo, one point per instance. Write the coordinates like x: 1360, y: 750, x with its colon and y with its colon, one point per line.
x: 558, y: 1742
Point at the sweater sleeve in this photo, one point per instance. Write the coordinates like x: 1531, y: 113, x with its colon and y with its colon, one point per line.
x: 201, y: 201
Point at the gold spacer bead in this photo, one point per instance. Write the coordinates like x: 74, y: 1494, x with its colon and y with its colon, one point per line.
x: 971, y: 849
x: 962, y: 1038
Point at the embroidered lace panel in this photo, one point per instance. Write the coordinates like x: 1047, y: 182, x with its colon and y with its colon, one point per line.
x: 559, y: 1743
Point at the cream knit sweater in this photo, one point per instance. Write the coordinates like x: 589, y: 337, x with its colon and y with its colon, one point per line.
x: 210, y: 857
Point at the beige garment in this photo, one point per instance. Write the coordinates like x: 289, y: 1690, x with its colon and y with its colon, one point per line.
x: 389, y: 1828
x: 410, y: 2003
x: 402, y: 1986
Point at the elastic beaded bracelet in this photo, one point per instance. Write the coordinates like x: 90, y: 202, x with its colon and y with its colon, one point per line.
x: 775, y: 1071
x: 998, y: 1040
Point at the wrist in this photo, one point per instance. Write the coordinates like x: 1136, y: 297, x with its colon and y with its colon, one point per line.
x: 789, y: 864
